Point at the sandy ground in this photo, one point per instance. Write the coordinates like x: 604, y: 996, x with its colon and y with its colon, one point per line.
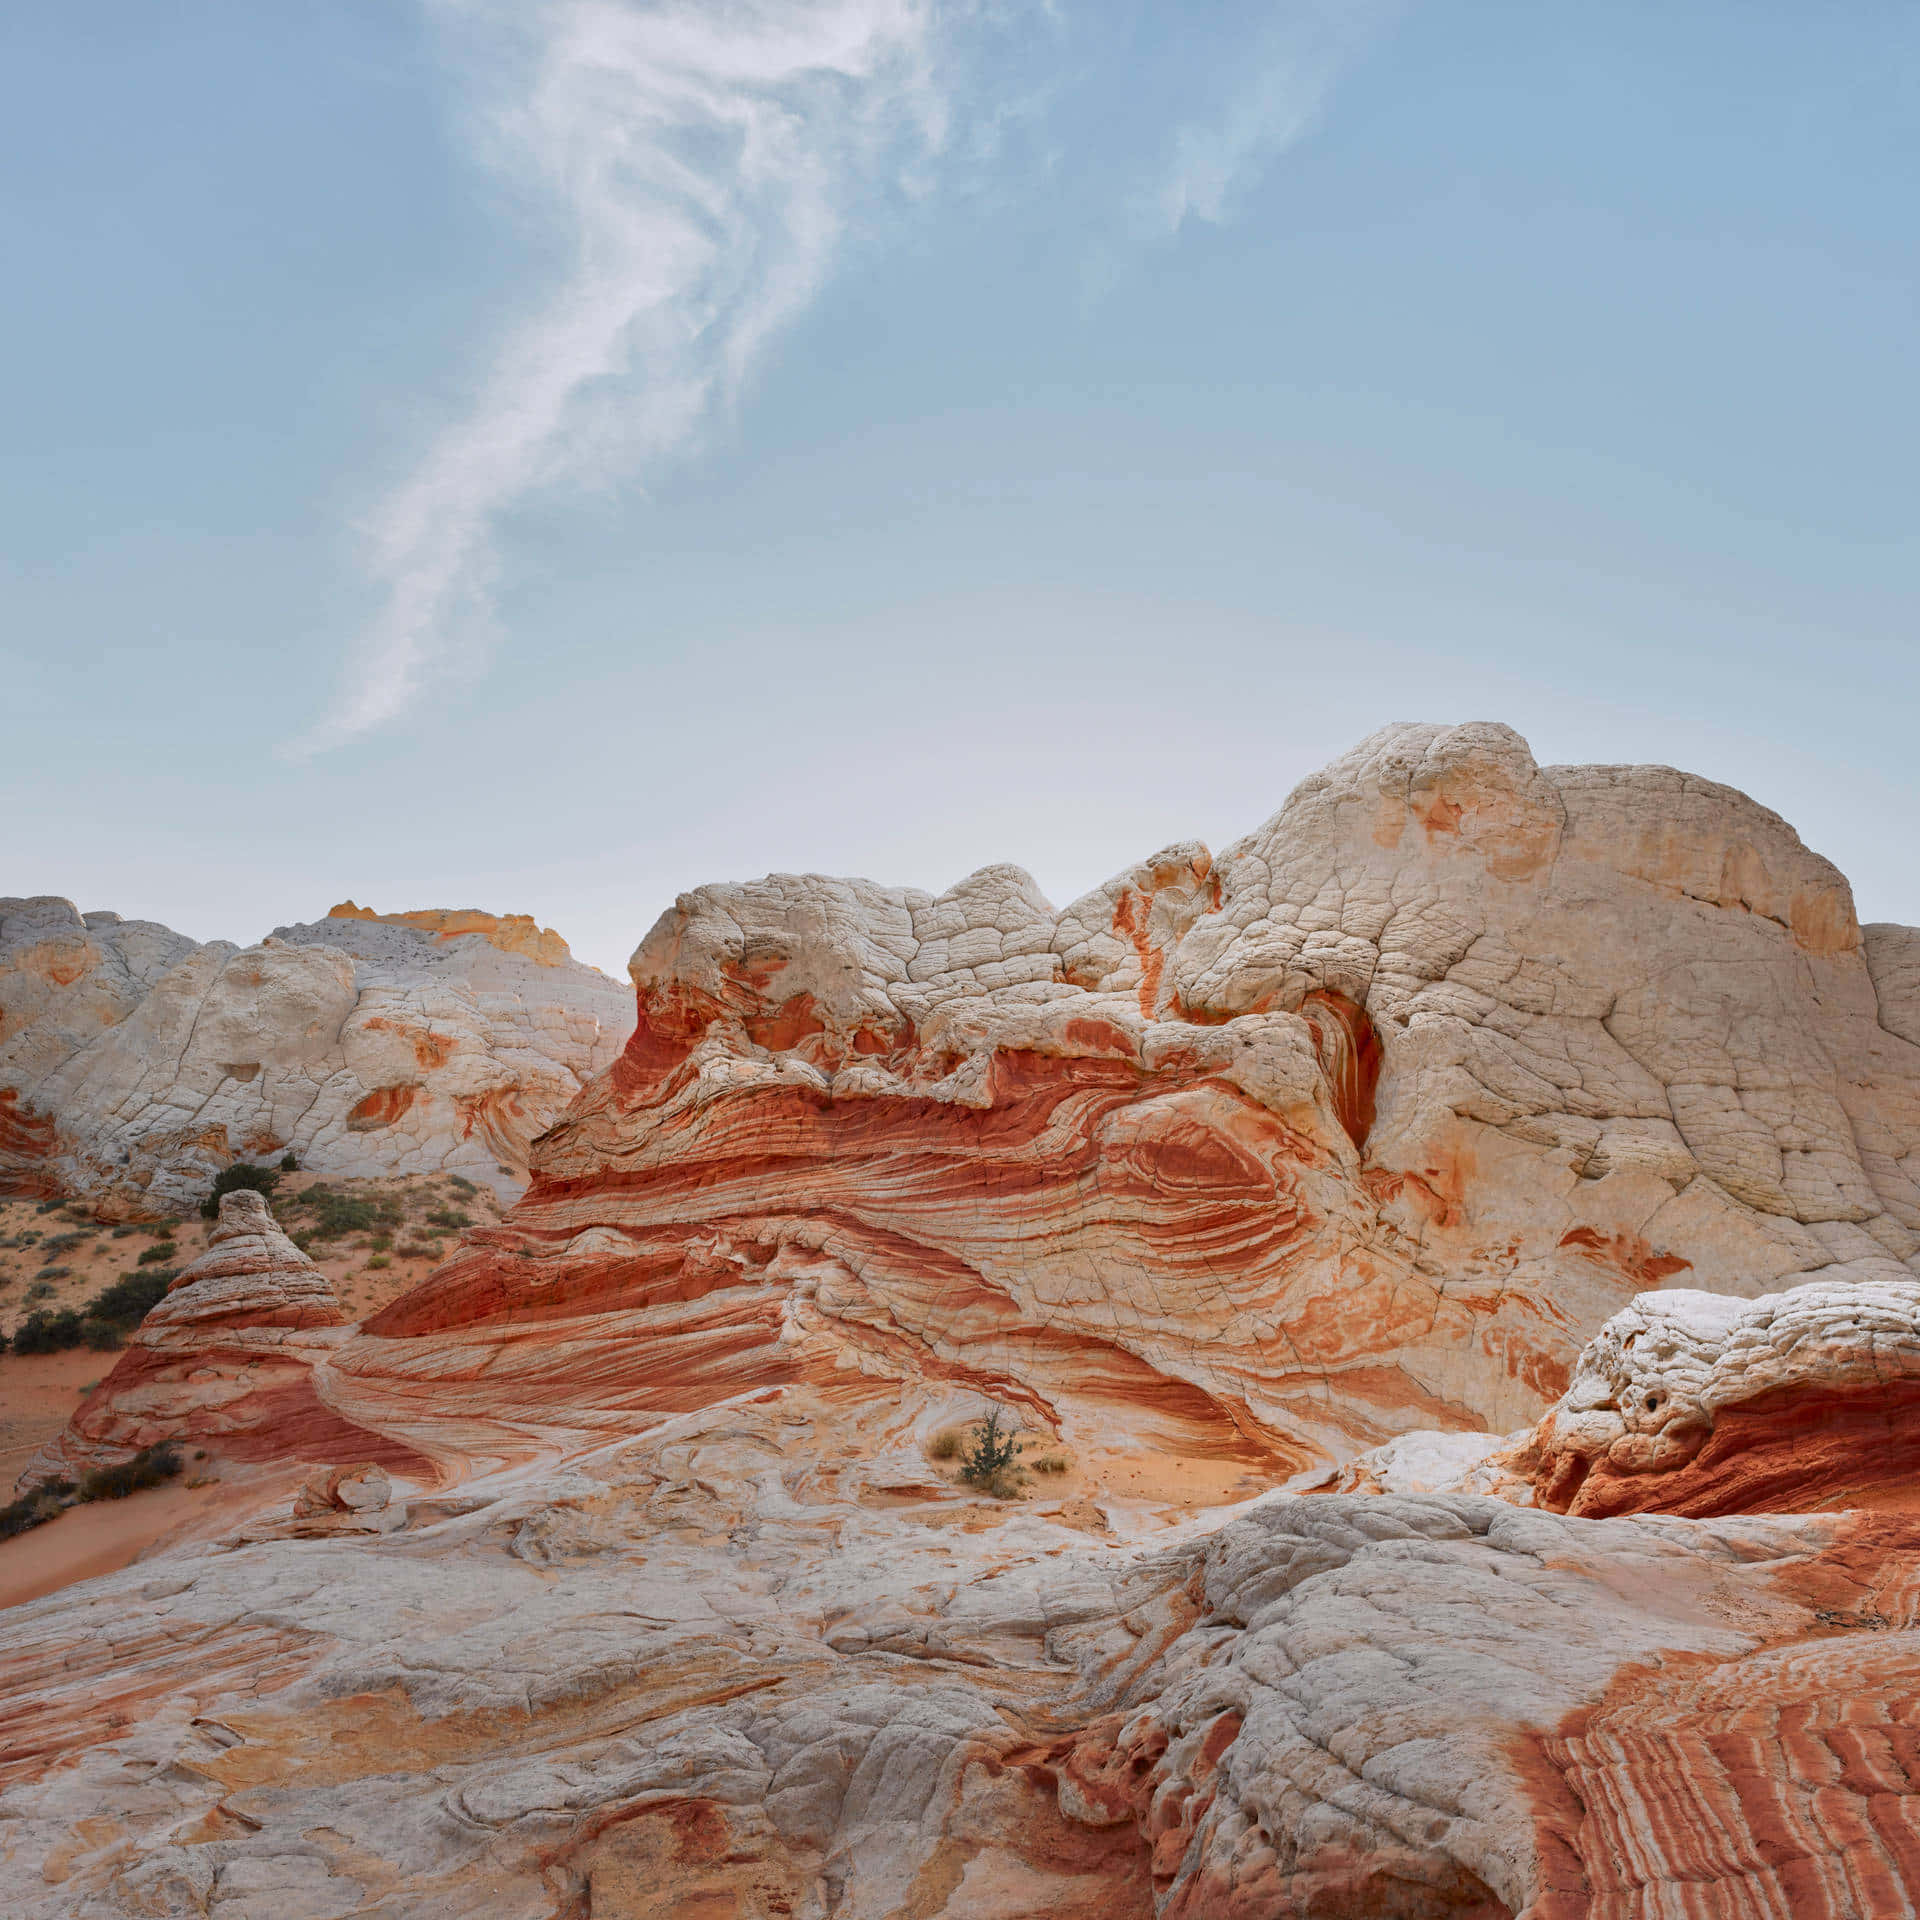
x: 35, y: 1274
x: 37, y: 1394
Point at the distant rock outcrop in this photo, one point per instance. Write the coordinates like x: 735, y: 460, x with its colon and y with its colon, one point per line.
x: 135, y: 1064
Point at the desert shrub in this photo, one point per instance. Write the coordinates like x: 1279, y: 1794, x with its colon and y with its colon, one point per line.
x: 989, y: 1463
x: 101, y: 1324
x: 160, y: 1250
x: 461, y: 1185
x: 130, y: 1299
x: 260, y: 1180
x: 45, y: 1332
x: 378, y: 1261
x: 40, y: 1290
x: 65, y: 1242
x: 289, y: 1164
x: 450, y: 1218
x: 418, y: 1250
x: 47, y: 1274
x: 1051, y: 1463
x: 945, y: 1445
x: 125, y: 1233
x: 336, y: 1213
x: 35, y: 1508
x: 50, y: 1206
x: 148, y: 1468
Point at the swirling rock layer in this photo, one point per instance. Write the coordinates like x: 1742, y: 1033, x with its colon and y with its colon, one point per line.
x: 1356, y: 1136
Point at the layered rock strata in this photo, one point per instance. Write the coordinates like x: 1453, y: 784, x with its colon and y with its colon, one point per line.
x: 230, y: 1360
x: 135, y: 1063
x: 1424, y: 1114
x: 1362, y: 1127
x: 714, y: 1671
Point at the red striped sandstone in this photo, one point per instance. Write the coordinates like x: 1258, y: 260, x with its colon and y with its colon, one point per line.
x: 681, y: 1621
x: 227, y: 1360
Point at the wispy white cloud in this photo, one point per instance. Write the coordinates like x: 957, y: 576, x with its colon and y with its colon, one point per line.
x: 704, y: 154
x: 1276, y: 92
x: 704, y: 162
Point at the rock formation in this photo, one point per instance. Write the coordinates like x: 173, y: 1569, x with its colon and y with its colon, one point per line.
x: 1465, y: 1096
x: 1703, y: 1403
x: 135, y: 1064
x: 1364, y: 1126
x: 227, y: 1360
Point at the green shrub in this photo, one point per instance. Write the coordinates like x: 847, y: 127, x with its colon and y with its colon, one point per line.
x: 989, y: 1463
x: 40, y: 1290
x: 126, y: 1233
x: 148, y: 1468
x: 378, y: 1261
x: 449, y: 1218
x: 337, y: 1213
x: 35, y: 1509
x: 45, y: 1332
x: 101, y: 1324
x: 53, y: 1273
x: 289, y: 1165
x: 160, y: 1250
x: 130, y: 1299
x: 460, y: 1185
x: 260, y: 1180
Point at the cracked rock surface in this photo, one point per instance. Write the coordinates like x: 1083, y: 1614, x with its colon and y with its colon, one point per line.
x: 135, y: 1063
x: 1407, y: 1148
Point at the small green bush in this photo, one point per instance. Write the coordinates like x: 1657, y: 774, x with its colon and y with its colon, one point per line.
x: 40, y: 1290
x: 989, y: 1463
x: 53, y: 1273
x: 260, y: 1180
x: 126, y: 1233
x: 102, y: 1324
x: 35, y: 1509
x: 160, y: 1250
x: 378, y: 1261
x: 130, y: 1299
x: 45, y: 1332
x: 148, y: 1468
x: 289, y: 1165
x: 450, y: 1218
x: 460, y: 1185
x: 337, y: 1213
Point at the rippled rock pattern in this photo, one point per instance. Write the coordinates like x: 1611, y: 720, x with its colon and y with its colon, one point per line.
x: 135, y: 1064
x: 1454, y: 1115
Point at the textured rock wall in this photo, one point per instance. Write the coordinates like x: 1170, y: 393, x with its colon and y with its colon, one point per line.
x: 135, y: 1064
x: 1363, y: 1126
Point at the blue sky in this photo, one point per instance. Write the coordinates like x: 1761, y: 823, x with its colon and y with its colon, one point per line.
x: 543, y: 456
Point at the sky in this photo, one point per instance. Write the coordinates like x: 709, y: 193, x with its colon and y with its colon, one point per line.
x: 546, y: 454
